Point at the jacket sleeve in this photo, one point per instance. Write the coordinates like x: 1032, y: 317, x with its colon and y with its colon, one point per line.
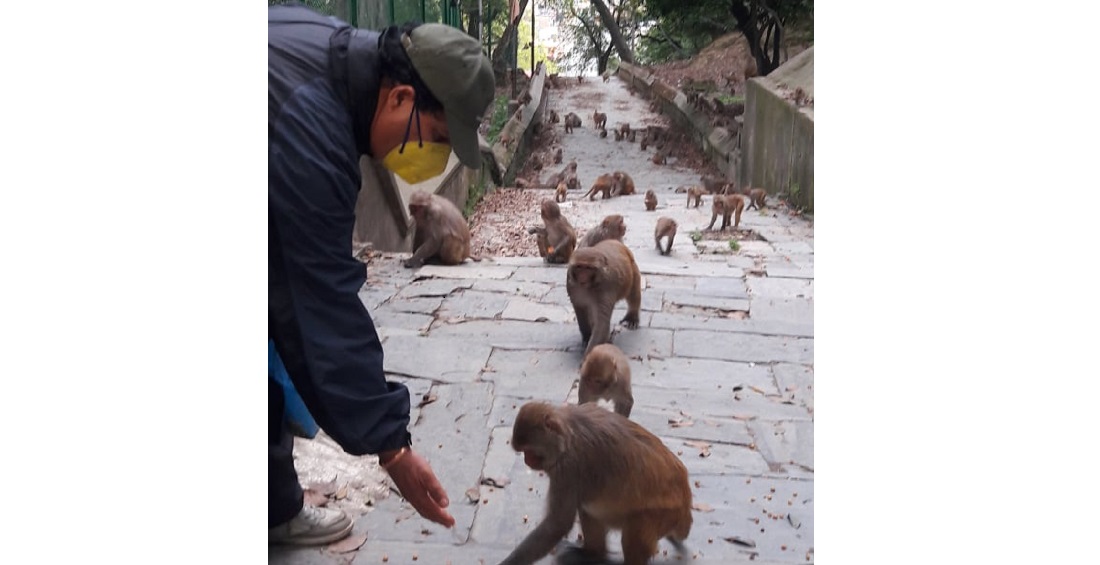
x: 320, y: 326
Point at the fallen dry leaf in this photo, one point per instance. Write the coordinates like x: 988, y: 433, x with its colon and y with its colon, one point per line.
x: 314, y: 498
x: 678, y: 423
x: 702, y: 507
x: 342, y: 493
x: 348, y: 544
x: 427, y: 399
x: 473, y: 494
x: 495, y: 482
x: 741, y: 541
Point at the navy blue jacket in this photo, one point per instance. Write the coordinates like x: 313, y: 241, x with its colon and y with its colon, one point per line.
x: 322, y: 92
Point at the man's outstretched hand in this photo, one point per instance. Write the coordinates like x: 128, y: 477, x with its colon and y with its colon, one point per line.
x: 415, y: 479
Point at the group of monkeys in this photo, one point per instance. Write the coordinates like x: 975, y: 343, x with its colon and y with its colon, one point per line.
x: 603, y: 467
x: 657, y: 136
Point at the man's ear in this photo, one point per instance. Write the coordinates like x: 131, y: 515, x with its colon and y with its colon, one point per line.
x: 400, y: 94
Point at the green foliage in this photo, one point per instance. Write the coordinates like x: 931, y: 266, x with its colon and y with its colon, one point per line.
x: 734, y: 245
x: 541, y: 53
x: 500, y: 117
x: 477, y: 191
x: 730, y: 99
x: 696, y: 236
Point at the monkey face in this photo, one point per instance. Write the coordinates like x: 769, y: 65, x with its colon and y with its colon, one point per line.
x: 584, y: 275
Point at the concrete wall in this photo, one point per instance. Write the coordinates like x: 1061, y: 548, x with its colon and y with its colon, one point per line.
x: 779, y: 137
x: 514, y: 144
x: 774, y: 150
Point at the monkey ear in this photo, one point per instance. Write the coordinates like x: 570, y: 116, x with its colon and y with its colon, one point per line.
x: 553, y: 424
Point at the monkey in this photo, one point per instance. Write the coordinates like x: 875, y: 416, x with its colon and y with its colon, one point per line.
x: 645, y: 141
x: 603, y: 133
x: 666, y: 227
x: 625, y: 184
x: 537, y: 166
x: 568, y: 123
x: 650, y: 200
x: 554, y: 117
x: 554, y: 80
x: 571, y: 182
x: 562, y: 175
x: 696, y: 193
x: 607, y: 75
x: 441, y: 231
x: 656, y: 133
x: 603, y: 184
x: 523, y: 100
x: 726, y: 205
x: 756, y: 197
x: 625, y: 128
x: 632, y: 136
x: 605, y: 374
x: 611, y: 227
x: 713, y: 184
x: 559, y: 193
x: 557, y: 156
x: 580, y: 79
x: 556, y: 238
x: 599, y: 119
x: 608, y: 469
x: 598, y: 277
x: 660, y: 157
x: 618, y: 135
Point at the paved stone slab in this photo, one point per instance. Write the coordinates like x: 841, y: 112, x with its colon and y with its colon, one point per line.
x: 551, y: 274
x: 289, y: 555
x: 737, y: 507
x: 432, y: 287
x: 420, y: 305
x: 744, y: 404
x: 726, y: 287
x: 445, y: 433
x: 526, y: 374
x: 766, y: 287
x: 471, y: 304
x: 789, y: 310
x: 390, y: 323
x: 438, y: 358
x: 652, y: 300
x: 643, y: 342
x: 755, y: 248
x: 704, y: 321
x: 741, y: 261
x: 703, y: 375
x: 790, y: 272
x: 432, y: 551
x: 796, y: 382
x: 666, y: 282
x: 723, y: 458
x: 513, y: 288
x: 372, y: 298
x: 693, y: 269
x: 785, y: 443
x: 708, y: 247
x: 465, y: 271
x: 793, y: 247
x: 531, y: 311
x: 668, y: 423
x: 508, y: 334
x: 418, y: 388
x: 560, y: 297
x: 686, y: 298
x: 744, y: 347
x: 777, y: 234
x: 516, y: 261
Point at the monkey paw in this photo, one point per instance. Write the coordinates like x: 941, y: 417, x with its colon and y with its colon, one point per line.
x: 411, y: 264
x: 630, y: 322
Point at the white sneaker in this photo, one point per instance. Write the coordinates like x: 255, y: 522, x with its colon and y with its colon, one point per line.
x: 312, y: 526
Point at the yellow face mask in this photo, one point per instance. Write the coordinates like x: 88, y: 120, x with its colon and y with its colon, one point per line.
x: 417, y: 163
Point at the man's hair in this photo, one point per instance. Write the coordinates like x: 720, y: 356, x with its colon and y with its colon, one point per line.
x: 397, y: 67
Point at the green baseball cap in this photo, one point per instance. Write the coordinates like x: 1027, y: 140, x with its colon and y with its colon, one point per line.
x: 460, y: 76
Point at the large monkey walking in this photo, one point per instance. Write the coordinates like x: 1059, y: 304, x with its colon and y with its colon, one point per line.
x: 610, y: 470
x: 441, y: 231
x: 599, y: 277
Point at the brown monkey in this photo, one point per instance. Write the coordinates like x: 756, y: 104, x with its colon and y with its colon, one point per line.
x: 571, y: 182
x: 713, y: 184
x: 632, y: 136
x: 600, y: 119
x: 554, y: 117
x: 727, y: 204
x: 568, y: 123
x: 650, y: 200
x: 557, y: 156
x: 611, y: 227
x: 563, y: 175
x: 605, y: 374
x: 666, y: 227
x: 525, y: 98
x: 603, y: 133
x: 618, y: 135
x: 556, y: 238
x: 603, y: 184
x: 656, y: 133
x: 441, y: 231
x: 580, y: 79
x: 756, y: 197
x: 625, y: 184
x: 645, y: 141
x: 560, y: 192
x: 608, y: 469
x: 625, y: 128
x: 598, y: 277
x: 660, y: 157
x: 696, y: 193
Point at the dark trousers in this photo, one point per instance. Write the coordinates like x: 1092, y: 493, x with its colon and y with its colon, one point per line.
x: 284, y: 493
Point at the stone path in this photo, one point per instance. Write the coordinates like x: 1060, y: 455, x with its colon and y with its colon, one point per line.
x: 722, y: 367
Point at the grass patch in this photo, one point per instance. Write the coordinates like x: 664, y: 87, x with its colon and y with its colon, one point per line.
x: 474, y: 195
x: 696, y: 236
x: 500, y: 117
x: 734, y: 245
x: 728, y: 99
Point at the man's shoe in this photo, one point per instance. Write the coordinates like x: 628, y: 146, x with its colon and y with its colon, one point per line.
x: 312, y: 526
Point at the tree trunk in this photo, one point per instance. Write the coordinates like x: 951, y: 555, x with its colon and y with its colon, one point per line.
x: 506, y: 38
x: 748, y: 17
x: 613, y: 28
x: 474, y: 19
